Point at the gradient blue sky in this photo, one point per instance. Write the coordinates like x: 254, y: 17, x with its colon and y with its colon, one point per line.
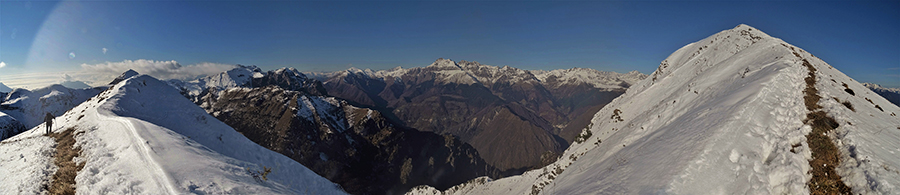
x: 862, y: 39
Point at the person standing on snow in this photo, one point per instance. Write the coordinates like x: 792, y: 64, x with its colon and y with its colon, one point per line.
x: 49, y: 122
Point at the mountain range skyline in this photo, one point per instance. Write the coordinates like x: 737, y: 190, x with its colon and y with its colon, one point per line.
x: 49, y: 42
x: 740, y: 109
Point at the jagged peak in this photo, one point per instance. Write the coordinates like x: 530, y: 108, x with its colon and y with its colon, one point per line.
x: 634, y: 72
x: 290, y: 70
x: 252, y: 68
x: 468, y: 64
x: 282, y: 69
x: 441, y: 62
x: 354, y: 69
x: 358, y: 71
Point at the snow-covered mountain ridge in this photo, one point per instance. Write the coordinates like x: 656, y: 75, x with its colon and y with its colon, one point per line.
x: 30, y: 106
x: 466, y: 72
x: 142, y: 137
x: 891, y: 94
x: 538, y: 112
x: 724, y: 115
x: 9, y: 126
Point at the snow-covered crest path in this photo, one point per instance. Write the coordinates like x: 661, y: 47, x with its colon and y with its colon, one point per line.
x: 162, y: 180
x: 142, y: 137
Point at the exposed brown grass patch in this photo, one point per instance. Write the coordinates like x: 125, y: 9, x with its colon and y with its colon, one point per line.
x: 811, y: 97
x: 825, y: 154
x: 63, y: 181
x: 845, y: 103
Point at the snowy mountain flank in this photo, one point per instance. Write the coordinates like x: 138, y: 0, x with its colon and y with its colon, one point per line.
x: 4, y: 88
x: 142, y: 137
x: 9, y: 126
x: 739, y: 112
x: 516, y: 119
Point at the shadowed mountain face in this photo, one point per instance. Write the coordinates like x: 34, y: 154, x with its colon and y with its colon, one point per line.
x: 355, y: 147
x: 517, y: 119
x: 358, y: 148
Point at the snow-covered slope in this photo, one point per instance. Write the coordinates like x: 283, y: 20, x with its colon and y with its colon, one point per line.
x: 143, y: 137
x: 724, y: 115
x: 891, y: 94
x: 9, y: 126
x: 465, y: 72
x: 4, y: 88
x: 30, y: 107
x: 75, y: 84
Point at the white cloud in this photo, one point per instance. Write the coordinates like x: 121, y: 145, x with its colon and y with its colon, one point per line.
x: 163, y: 70
x: 2, y: 64
x: 104, y: 50
x: 101, y: 74
x: 66, y: 77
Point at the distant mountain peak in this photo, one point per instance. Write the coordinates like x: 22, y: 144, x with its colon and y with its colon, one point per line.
x: 130, y: 73
x: 125, y: 75
x: 444, y: 63
x: 4, y: 88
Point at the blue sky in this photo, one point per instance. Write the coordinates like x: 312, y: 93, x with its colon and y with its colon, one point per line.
x: 49, y: 41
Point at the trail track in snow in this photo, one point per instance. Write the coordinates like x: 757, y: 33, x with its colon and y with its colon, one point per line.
x: 160, y: 176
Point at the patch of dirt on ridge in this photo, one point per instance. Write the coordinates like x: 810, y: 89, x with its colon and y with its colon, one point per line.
x: 63, y: 181
x: 825, y: 154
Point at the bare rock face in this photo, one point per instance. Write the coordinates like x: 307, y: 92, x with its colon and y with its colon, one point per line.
x: 357, y: 148
x: 516, y: 119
